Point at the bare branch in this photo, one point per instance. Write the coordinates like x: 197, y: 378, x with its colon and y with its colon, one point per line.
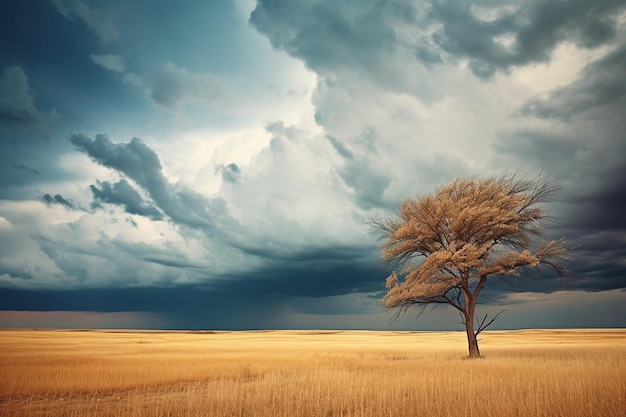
x: 482, y: 326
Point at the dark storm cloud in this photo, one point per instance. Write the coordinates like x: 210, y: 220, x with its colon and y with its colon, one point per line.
x: 603, y: 207
x: 141, y: 164
x: 328, y: 34
x: 310, y: 279
x: 235, y: 302
x: 301, y: 255
x: 246, y: 277
x: 47, y: 85
x: 102, y: 299
x: 587, y: 155
x: 588, y: 213
x: 592, y: 222
x: 543, y: 149
x: 601, y: 83
x: 534, y: 30
x: 186, y: 307
x: 596, y: 227
x: 596, y: 265
x: 15, y: 272
x: 123, y: 194
x: 134, y: 159
x: 58, y: 199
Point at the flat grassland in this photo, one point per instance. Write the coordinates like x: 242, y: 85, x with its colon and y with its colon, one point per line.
x: 311, y: 373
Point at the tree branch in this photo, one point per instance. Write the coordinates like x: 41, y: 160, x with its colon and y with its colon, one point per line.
x: 456, y: 303
x: 482, y: 326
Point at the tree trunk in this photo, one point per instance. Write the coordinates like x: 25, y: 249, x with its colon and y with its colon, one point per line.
x: 472, y: 343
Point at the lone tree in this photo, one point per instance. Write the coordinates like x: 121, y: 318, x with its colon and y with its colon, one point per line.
x: 465, y: 232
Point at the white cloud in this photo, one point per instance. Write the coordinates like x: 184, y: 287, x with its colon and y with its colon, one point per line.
x: 19, y: 248
x: 289, y: 199
x: 60, y: 249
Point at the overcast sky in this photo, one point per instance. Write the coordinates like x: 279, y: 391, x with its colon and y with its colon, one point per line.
x: 213, y: 164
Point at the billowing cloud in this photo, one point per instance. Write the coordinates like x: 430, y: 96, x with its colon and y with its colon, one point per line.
x: 95, y: 20
x: 122, y: 193
x: 292, y: 207
x: 498, y: 36
x: 327, y: 35
x: 141, y: 164
x: 15, y: 271
x: 439, y: 58
x: 62, y: 249
x: 368, y: 39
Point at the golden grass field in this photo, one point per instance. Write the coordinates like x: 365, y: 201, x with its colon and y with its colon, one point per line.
x: 307, y: 373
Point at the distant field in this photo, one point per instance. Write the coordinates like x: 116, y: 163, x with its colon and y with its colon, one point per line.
x: 565, y: 373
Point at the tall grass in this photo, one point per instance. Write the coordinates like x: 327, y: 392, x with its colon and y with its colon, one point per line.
x: 288, y: 373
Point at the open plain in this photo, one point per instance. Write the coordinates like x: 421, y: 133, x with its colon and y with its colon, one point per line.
x: 72, y: 373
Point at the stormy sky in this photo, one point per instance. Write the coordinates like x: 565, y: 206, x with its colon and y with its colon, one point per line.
x: 214, y: 164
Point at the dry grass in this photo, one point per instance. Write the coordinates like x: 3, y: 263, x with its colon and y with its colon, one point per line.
x: 291, y: 373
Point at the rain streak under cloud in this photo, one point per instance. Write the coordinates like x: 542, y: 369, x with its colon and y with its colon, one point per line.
x: 214, y: 164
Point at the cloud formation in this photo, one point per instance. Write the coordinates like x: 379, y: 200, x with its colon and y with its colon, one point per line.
x: 497, y: 37
x: 173, y: 86
x: 447, y: 37
x: 17, y: 107
x: 95, y: 20
x: 123, y: 194
x: 600, y: 83
x: 248, y: 201
x: 111, y: 62
x: 141, y: 164
x: 58, y: 199
x: 230, y: 173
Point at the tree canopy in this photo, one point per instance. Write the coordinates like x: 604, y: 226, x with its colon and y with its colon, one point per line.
x: 450, y: 241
